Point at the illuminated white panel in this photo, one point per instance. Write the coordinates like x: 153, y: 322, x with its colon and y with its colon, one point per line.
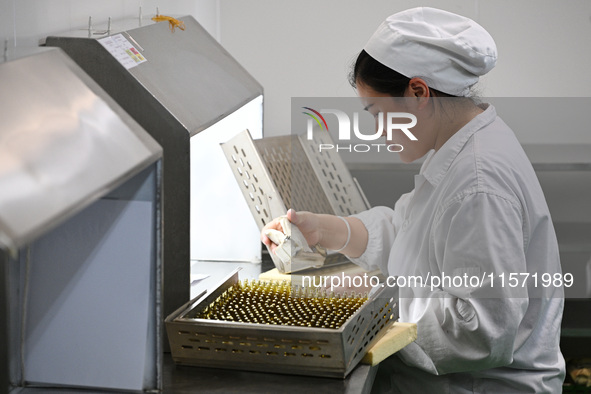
x: 222, y: 227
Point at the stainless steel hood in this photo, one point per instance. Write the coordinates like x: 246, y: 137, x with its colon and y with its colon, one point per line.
x: 190, y: 75
x: 62, y: 145
x: 80, y: 220
x: 175, y: 85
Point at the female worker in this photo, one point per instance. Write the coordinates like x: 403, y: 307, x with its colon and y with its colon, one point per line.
x: 477, y: 210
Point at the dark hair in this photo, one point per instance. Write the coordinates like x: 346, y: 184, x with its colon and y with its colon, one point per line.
x: 381, y: 78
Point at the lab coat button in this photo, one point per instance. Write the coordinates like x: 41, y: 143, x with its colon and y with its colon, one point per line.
x: 404, y: 225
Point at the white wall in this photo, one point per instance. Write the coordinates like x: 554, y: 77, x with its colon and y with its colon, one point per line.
x: 304, y: 48
x: 25, y: 23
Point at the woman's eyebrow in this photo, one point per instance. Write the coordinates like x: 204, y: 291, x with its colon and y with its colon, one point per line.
x: 368, y: 107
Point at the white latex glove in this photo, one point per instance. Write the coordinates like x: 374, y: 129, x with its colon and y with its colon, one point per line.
x: 292, y: 249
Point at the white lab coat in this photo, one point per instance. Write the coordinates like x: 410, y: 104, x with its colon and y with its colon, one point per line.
x: 477, y: 210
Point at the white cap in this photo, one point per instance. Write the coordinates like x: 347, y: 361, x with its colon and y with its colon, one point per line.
x: 448, y: 51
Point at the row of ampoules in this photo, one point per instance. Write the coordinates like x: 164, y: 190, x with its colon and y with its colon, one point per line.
x: 281, y: 303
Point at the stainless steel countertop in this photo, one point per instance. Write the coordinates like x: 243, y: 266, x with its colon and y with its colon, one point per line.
x: 187, y: 379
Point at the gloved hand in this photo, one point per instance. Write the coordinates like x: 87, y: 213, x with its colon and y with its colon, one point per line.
x: 290, y: 245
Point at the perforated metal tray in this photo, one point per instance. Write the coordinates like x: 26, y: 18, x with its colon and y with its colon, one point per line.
x: 276, y: 348
x: 278, y: 173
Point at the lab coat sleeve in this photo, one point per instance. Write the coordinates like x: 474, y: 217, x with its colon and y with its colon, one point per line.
x: 472, y: 327
x: 380, y: 223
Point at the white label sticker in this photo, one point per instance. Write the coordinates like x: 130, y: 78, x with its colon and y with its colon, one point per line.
x: 122, y: 50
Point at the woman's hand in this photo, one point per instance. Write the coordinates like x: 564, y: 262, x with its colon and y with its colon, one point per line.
x: 307, y: 222
x: 328, y: 231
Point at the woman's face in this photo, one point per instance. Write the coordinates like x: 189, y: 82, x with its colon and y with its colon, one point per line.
x: 382, y: 103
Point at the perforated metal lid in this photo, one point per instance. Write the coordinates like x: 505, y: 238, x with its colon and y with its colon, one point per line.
x: 279, y: 173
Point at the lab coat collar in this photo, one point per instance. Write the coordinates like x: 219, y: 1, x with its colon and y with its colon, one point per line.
x: 437, y: 163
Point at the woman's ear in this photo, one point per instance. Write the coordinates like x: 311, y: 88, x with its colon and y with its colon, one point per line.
x: 418, y: 88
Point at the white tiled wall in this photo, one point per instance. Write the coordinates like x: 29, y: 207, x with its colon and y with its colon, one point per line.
x: 304, y: 48
x: 26, y: 22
